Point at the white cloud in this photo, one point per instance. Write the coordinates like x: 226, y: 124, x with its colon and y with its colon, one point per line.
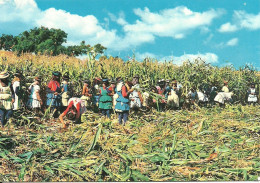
x: 242, y: 20
x: 142, y: 56
x: 175, y: 23
x: 178, y: 60
x: 232, y: 42
x: 120, y: 19
x: 227, y: 27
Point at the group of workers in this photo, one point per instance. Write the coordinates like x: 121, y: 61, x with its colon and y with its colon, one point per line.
x: 108, y: 96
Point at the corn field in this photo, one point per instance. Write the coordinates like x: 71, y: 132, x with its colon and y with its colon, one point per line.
x: 208, y: 144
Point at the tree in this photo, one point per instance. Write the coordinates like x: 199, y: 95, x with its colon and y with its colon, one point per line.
x: 7, y: 42
x: 41, y: 40
x: 47, y: 41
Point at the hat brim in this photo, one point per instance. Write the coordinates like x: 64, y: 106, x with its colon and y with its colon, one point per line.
x: 4, y: 77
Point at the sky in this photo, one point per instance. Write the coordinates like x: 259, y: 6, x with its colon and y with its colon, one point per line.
x: 220, y: 32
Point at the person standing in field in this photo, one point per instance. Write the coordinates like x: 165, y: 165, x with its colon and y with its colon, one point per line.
x: 16, y: 83
x: 35, y: 101
x: 105, y: 100
x: 173, y: 98
x: 161, y: 88
x: 65, y: 95
x: 86, y: 93
x: 6, y: 98
x: 96, y: 94
x: 225, y: 87
x: 252, y: 95
x: 136, y: 97
x: 122, y: 106
x: 53, y: 93
x: 73, y: 111
x: 113, y: 86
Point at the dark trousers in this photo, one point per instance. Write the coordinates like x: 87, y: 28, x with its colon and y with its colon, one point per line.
x: 105, y: 112
x: 123, y: 116
x: 5, y: 115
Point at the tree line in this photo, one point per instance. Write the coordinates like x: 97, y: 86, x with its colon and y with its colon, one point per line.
x: 42, y: 40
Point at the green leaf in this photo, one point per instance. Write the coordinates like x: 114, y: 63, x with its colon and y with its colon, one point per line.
x: 139, y: 176
x: 48, y: 169
x: 95, y: 139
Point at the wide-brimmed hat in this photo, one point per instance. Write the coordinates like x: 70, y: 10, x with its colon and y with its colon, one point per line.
x: 136, y: 76
x: 66, y: 77
x: 86, y: 81
x: 174, y: 82
x: 37, y: 78
x: 113, y: 82
x: 56, y: 73
x: 18, y: 74
x: 4, y: 74
x: 105, y: 80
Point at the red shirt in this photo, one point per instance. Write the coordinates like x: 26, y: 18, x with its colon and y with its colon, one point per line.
x: 53, y: 85
x: 70, y: 106
x: 124, y: 91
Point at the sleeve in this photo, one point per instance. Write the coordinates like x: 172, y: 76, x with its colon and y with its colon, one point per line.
x: 12, y: 91
x: 68, y: 108
x: 50, y: 84
x: 37, y: 88
x: 109, y: 90
x: 83, y: 90
x: 124, y: 92
x: 78, y: 106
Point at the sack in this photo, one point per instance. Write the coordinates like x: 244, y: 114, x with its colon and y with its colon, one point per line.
x: 65, y: 95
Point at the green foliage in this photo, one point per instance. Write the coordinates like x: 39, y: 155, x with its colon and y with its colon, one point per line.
x: 46, y: 41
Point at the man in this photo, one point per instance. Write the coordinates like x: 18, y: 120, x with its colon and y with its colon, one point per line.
x: 74, y: 110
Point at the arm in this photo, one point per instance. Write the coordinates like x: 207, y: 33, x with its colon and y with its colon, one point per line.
x: 83, y: 91
x: 140, y: 96
x: 78, y: 106
x: 38, y: 96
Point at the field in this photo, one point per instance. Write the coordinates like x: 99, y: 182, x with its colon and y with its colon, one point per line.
x: 202, y: 145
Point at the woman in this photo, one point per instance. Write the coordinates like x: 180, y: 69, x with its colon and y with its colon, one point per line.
x: 17, y: 91
x: 136, y: 97
x: 53, y: 93
x: 6, y: 98
x: 122, y: 106
x: 65, y: 92
x: 105, y: 100
x: 173, y: 98
x: 74, y: 110
x: 252, y: 94
x: 86, y: 93
x: 225, y: 87
x: 35, y: 101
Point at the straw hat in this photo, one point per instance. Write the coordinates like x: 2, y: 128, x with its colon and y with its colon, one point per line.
x: 4, y: 74
x: 37, y: 78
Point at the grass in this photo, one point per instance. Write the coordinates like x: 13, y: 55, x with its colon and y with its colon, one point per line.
x: 203, y: 145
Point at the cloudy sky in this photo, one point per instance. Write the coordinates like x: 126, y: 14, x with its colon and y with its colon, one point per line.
x: 219, y: 31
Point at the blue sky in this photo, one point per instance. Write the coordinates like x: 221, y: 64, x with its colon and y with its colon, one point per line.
x: 219, y: 31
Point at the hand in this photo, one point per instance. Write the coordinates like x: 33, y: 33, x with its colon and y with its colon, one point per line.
x: 56, y: 93
x: 97, y: 104
x: 12, y: 100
